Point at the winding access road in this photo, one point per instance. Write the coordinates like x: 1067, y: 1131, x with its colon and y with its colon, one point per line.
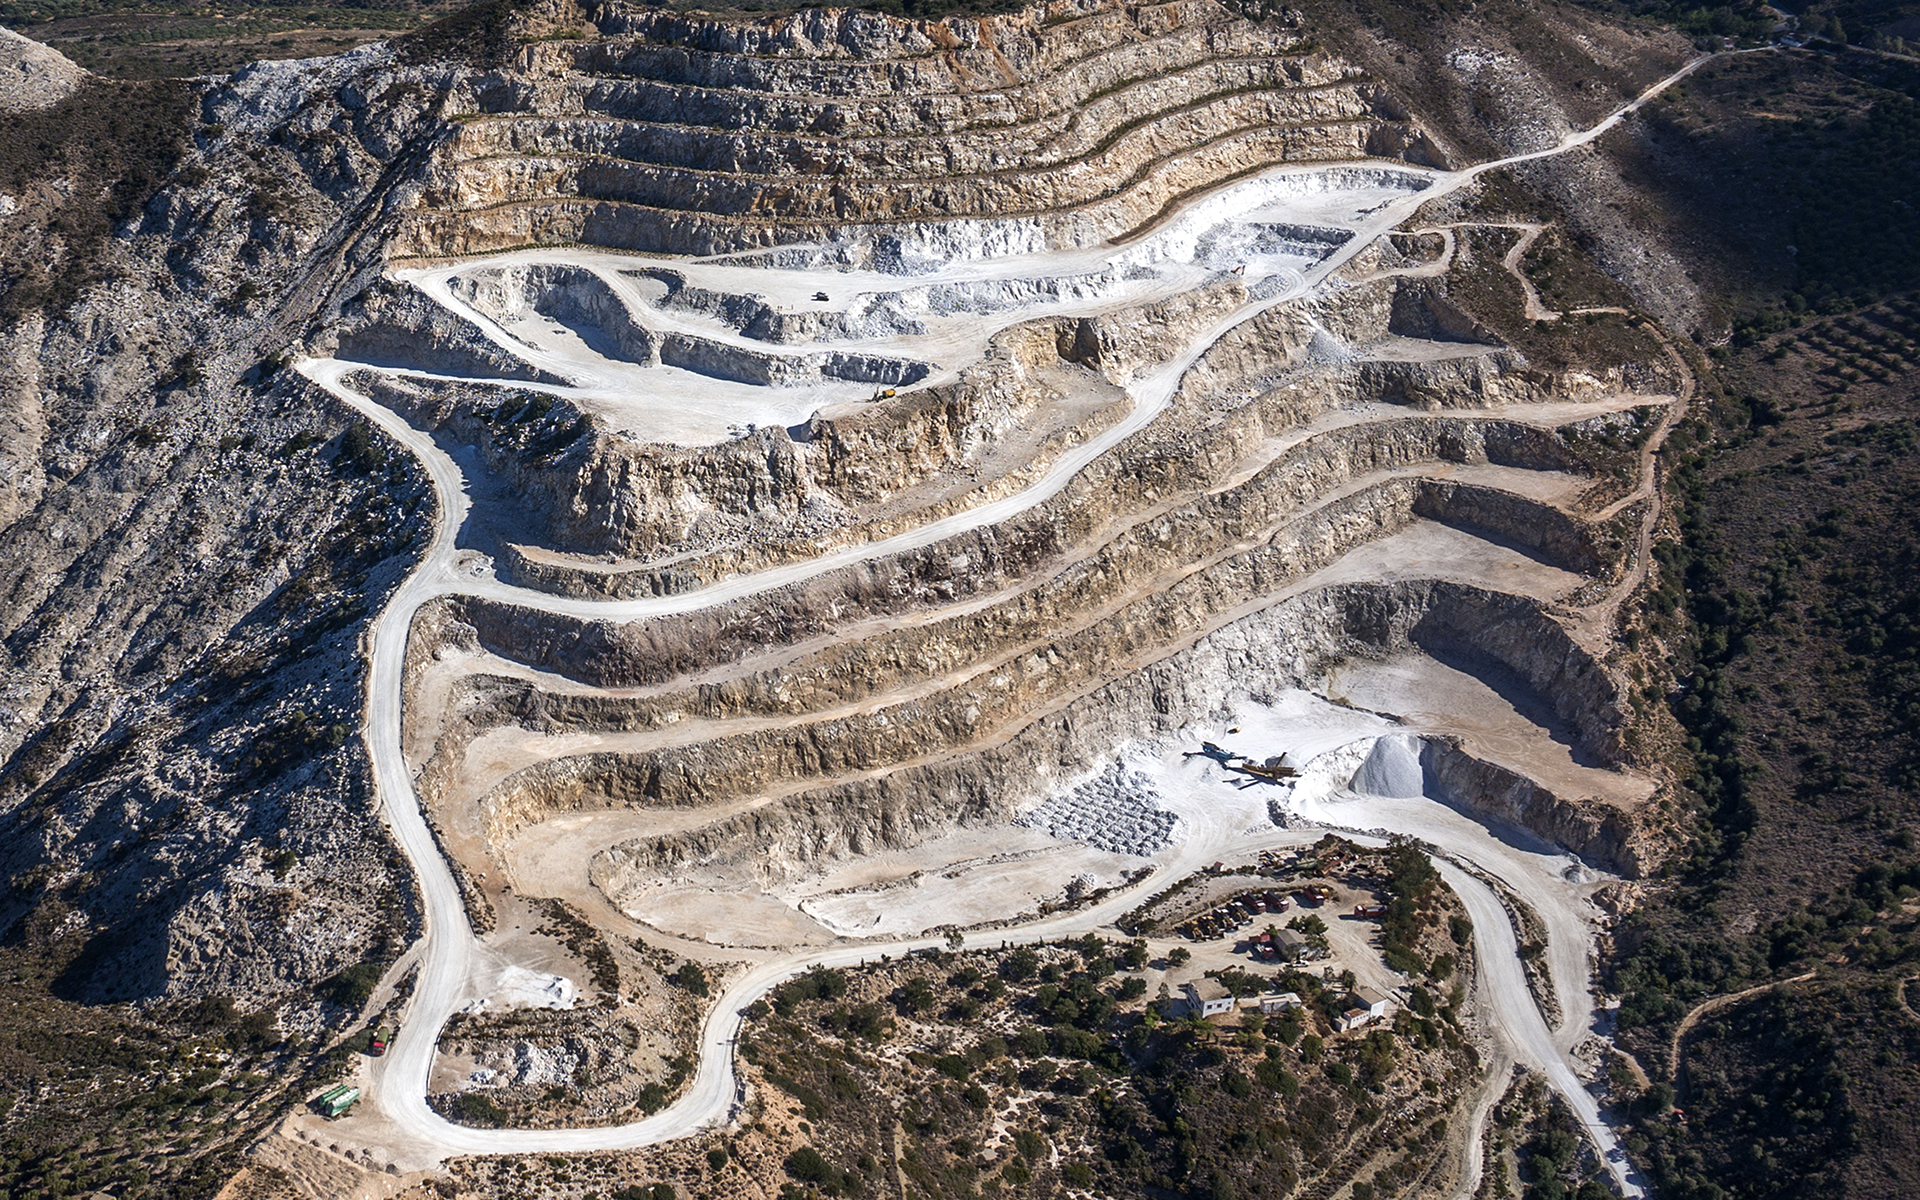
x: 399, y: 1083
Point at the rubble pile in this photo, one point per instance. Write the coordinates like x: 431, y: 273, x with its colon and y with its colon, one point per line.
x: 1117, y: 811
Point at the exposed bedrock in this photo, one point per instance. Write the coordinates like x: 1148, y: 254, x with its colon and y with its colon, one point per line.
x: 1089, y: 126
x: 1276, y: 128
x: 1150, y: 561
x: 390, y: 325
x: 1001, y: 61
x: 878, y: 315
x: 1228, y: 402
x: 1217, y: 94
x: 1165, y: 489
x: 1598, y: 832
x: 574, y: 296
x: 604, y: 493
x: 609, y: 494
x: 1214, y: 551
x: 1286, y: 645
x: 1542, y: 530
x: 966, y: 695
x: 629, y: 210
x: 1477, y: 629
x: 1231, y: 91
x: 433, y: 634
x: 583, y: 301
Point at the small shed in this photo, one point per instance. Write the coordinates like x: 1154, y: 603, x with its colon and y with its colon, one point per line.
x: 1364, y: 1004
x: 1291, y: 945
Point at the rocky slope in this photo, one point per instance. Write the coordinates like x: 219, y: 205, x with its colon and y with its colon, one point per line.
x: 33, y: 75
x: 190, y: 551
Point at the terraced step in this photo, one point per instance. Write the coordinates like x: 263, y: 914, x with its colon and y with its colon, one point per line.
x: 792, y: 827
x: 1090, y: 257
x: 1218, y: 95
x: 1009, y: 118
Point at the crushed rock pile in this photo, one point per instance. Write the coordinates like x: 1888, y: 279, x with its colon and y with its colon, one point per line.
x: 1117, y: 811
x: 535, y: 1066
x: 1392, y: 769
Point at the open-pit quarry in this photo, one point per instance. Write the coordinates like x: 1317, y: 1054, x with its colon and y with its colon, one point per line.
x: 872, y: 458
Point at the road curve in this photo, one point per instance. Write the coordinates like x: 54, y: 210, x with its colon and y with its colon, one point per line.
x: 400, y: 1080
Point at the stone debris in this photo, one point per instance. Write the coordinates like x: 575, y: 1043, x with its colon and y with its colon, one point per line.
x: 1117, y: 811
x: 521, y: 988
x: 538, y: 1066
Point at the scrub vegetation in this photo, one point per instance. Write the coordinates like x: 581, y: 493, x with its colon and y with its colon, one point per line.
x: 1795, y: 588
x: 1797, y: 169
x: 111, y: 144
x: 130, y: 39
x: 98, y: 1099
x: 1048, y: 1071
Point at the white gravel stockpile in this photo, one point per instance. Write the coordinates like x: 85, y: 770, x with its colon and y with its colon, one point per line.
x: 1117, y: 811
x: 1392, y: 769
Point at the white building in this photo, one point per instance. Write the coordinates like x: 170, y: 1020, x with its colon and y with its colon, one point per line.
x: 1207, y: 997
x: 1364, y: 1004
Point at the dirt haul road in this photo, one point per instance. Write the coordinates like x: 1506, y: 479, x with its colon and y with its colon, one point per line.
x: 398, y: 1086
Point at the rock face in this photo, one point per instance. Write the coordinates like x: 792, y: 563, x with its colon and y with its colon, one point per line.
x: 1230, y: 539
x: 33, y: 75
x: 1588, y: 826
x: 1079, y: 122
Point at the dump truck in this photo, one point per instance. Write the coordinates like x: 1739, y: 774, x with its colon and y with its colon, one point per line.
x: 378, y: 1043
x: 337, y: 1099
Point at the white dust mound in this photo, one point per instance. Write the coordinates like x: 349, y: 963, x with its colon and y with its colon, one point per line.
x: 1392, y: 769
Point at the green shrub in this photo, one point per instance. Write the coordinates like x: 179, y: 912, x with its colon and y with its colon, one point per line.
x: 1020, y: 965
x: 809, y: 1166
x: 693, y: 977
x: 353, y: 987
x: 480, y: 1109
